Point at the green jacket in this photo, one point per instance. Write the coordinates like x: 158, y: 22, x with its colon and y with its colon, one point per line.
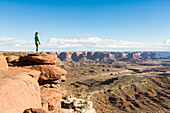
x: 37, y: 39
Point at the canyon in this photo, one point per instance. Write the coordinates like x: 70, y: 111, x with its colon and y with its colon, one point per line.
x: 102, y: 82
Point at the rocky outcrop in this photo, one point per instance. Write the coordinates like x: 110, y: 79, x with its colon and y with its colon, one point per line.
x: 51, y: 96
x: 37, y: 59
x: 33, y: 73
x: 103, y: 56
x: 50, y: 77
x: 3, y: 63
x: 49, y: 73
x: 19, y: 88
x: 12, y: 59
x: 18, y: 91
x: 73, y: 105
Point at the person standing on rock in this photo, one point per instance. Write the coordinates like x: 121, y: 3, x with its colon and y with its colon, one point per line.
x: 37, y: 41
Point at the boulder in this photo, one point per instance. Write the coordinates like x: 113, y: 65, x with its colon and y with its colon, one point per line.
x: 12, y: 58
x: 35, y: 59
x: 72, y: 105
x: 18, y: 91
x: 51, y: 98
x: 49, y: 73
x: 3, y: 63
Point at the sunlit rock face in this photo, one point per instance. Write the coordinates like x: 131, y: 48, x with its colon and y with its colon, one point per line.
x: 3, y: 63
x: 36, y: 59
x: 18, y: 91
x: 103, y: 56
x: 31, y: 84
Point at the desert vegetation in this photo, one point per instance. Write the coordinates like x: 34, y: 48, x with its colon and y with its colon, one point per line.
x: 15, y: 53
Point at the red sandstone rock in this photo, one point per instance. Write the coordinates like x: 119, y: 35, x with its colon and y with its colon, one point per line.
x: 102, y: 56
x: 33, y: 73
x: 51, y: 98
x: 12, y: 58
x: 33, y: 59
x: 49, y: 73
x: 18, y: 91
x: 3, y: 63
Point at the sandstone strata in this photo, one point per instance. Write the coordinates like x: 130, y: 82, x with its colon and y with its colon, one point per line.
x: 108, y: 57
x: 20, y: 90
x: 49, y: 73
x: 50, y: 77
x: 33, y: 59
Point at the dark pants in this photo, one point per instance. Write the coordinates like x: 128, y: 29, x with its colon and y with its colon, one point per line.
x: 37, y: 47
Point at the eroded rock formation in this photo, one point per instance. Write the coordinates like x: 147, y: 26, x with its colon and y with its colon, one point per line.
x: 49, y: 73
x: 32, y: 85
x: 50, y: 77
x: 37, y: 59
x: 103, y: 56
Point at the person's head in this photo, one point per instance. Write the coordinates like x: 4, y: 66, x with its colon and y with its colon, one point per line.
x: 36, y: 33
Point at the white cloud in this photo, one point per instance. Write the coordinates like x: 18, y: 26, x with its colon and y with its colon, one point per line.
x: 14, y: 44
x: 81, y: 35
x: 95, y: 43
x: 82, y: 44
x: 168, y: 41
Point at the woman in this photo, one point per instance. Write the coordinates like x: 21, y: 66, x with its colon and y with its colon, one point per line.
x: 37, y: 41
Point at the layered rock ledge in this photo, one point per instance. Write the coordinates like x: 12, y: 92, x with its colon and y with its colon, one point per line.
x: 102, y: 57
x: 31, y: 85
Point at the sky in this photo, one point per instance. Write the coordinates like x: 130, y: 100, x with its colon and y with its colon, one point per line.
x: 85, y: 25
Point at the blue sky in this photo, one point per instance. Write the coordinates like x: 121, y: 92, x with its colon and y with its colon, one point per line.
x: 145, y: 21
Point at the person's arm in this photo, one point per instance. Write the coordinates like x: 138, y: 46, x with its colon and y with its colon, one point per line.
x: 39, y: 40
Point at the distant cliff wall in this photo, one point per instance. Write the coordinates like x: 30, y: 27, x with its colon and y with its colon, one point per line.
x: 103, y: 56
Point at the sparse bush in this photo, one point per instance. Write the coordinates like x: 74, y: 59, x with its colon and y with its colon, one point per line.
x: 16, y: 53
x: 85, y: 102
x: 62, y: 66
